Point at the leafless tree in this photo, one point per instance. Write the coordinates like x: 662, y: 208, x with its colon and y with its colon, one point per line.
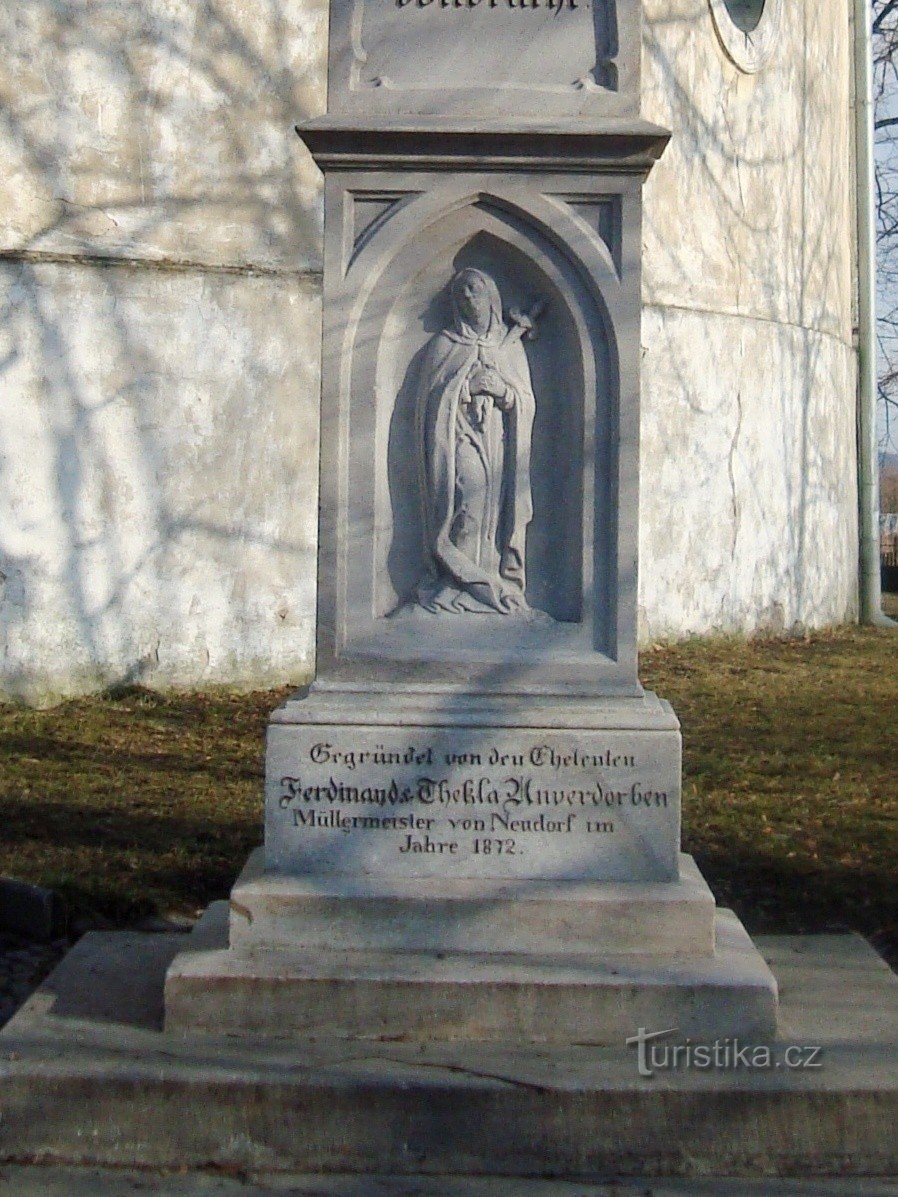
x: 885, y: 98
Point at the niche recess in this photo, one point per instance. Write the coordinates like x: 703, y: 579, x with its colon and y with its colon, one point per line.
x: 571, y: 566
x: 748, y: 30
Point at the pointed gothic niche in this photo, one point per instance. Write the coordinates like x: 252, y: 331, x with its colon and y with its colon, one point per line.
x: 568, y: 549
x: 553, y: 548
x: 368, y: 210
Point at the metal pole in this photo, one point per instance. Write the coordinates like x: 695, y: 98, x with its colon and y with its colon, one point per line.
x: 869, y: 591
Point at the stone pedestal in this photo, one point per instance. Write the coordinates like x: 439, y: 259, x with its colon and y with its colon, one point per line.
x: 506, y: 997
x: 472, y: 820
x: 474, y: 878
x: 577, y: 919
x: 447, y: 786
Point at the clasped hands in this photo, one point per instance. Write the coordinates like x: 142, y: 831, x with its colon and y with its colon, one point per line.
x: 484, y: 380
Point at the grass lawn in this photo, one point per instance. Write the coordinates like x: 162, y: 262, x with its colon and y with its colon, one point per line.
x: 790, y: 767
x: 141, y: 802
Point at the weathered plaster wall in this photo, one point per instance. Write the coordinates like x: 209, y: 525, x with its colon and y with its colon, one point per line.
x: 159, y: 248
x: 162, y: 129
x: 159, y: 342
x: 748, y: 513
x: 146, y: 532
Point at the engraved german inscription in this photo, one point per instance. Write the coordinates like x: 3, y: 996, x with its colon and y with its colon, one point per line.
x: 405, y: 52
x: 536, y: 804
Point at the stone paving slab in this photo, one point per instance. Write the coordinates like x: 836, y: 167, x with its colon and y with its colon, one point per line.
x: 87, y: 1077
x: 92, y: 1182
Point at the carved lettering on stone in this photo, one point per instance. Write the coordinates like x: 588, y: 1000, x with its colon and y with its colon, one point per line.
x: 552, y: 47
x: 455, y: 802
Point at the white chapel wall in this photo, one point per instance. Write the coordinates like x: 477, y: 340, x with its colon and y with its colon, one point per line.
x: 748, y: 452
x: 159, y: 338
x: 159, y: 341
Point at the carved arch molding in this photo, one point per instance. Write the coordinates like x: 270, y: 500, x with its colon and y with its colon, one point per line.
x: 550, y: 260
x: 748, y: 31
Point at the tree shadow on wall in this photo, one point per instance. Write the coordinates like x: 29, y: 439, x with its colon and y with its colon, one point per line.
x: 158, y: 342
x: 747, y: 334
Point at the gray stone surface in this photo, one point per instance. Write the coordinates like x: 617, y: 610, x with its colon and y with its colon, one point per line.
x: 448, y: 796
x: 545, y: 228
x: 561, y: 57
x: 514, y: 996
x: 24, y: 962
x: 475, y: 410
x: 99, y: 985
x: 116, y: 1092
x: 388, y: 913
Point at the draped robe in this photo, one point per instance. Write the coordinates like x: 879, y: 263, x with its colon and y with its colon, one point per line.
x: 475, y: 477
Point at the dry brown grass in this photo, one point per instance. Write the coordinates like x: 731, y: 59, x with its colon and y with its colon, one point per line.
x: 136, y: 802
x: 142, y: 801
x: 791, y: 775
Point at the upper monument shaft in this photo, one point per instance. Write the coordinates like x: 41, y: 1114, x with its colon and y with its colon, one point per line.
x: 480, y: 379
x: 538, y: 59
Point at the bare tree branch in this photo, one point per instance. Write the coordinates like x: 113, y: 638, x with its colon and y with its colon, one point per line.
x: 884, y: 17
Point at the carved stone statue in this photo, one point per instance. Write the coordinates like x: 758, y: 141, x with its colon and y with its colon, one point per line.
x: 474, y: 414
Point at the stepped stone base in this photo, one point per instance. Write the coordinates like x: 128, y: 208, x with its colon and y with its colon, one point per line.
x: 393, y: 995
x: 89, y: 1077
x: 450, y: 959
x: 569, y: 918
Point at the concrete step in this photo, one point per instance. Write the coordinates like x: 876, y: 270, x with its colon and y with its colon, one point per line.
x: 473, y: 996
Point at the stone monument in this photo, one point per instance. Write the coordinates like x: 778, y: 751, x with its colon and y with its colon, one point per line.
x: 472, y: 818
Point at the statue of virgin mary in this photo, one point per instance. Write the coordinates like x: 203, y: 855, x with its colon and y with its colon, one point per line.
x: 474, y: 417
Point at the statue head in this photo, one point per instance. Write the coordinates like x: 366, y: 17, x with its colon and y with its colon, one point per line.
x: 476, y: 302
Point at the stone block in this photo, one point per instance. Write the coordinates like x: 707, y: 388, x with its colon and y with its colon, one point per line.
x: 30, y: 910
x: 474, y: 786
x: 446, y: 914
x: 555, y: 60
x: 491, y: 997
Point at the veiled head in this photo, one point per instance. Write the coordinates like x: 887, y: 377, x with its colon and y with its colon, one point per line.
x: 475, y: 300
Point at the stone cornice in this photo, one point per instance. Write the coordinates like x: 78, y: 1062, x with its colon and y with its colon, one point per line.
x: 619, y: 145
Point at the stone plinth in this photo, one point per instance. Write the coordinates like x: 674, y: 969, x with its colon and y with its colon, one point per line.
x: 578, y: 919
x: 446, y: 866
x: 514, y: 995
